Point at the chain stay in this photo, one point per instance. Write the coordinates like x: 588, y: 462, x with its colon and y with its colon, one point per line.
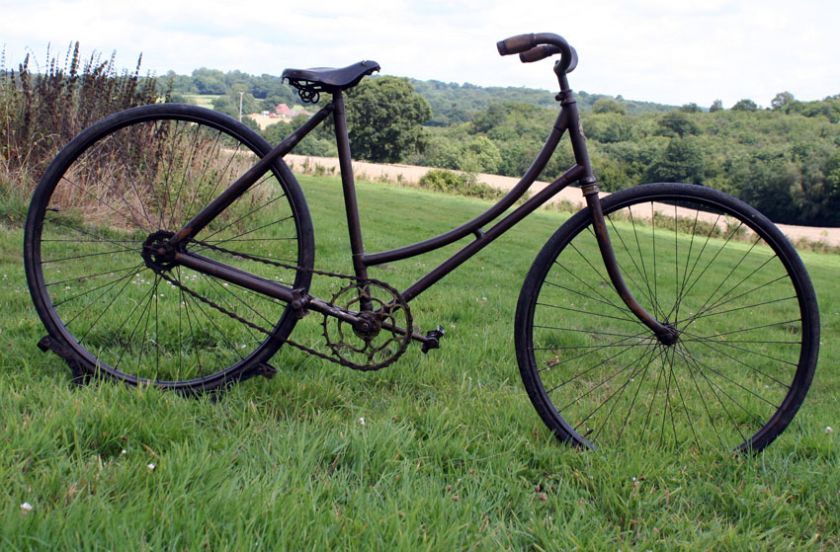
x: 357, y: 281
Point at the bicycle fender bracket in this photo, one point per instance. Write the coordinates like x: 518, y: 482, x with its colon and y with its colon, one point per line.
x: 47, y: 343
x: 266, y: 370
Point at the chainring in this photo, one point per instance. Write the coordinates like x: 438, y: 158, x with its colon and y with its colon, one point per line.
x: 383, y: 332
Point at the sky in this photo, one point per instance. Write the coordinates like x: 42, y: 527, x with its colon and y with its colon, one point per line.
x: 667, y: 51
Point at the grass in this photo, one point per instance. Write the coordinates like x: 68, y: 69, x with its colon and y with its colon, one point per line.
x: 436, y: 452
x: 203, y: 100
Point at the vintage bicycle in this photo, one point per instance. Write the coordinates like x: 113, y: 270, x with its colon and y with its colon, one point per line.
x: 170, y: 245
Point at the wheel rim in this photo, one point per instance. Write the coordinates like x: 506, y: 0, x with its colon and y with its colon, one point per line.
x: 743, y: 359
x: 141, y: 321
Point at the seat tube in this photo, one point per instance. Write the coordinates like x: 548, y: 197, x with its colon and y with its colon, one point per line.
x: 348, y: 185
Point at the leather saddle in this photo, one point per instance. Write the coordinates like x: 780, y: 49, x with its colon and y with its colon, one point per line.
x: 329, y: 79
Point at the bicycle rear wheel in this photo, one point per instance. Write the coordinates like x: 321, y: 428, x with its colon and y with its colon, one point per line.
x: 138, y: 176
x: 708, y: 264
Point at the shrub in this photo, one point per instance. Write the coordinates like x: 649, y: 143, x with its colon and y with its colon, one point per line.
x: 463, y: 184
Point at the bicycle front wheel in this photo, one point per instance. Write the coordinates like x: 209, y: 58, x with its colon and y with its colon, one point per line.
x: 132, y: 180
x: 709, y: 265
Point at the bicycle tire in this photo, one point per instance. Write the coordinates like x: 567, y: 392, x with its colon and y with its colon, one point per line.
x: 147, y: 171
x: 710, y: 265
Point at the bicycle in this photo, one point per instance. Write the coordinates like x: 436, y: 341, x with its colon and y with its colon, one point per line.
x: 170, y: 245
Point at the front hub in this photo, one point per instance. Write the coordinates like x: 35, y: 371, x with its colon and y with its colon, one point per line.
x: 669, y: 336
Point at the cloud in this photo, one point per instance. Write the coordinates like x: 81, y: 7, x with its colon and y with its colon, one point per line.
x: 662, y: 50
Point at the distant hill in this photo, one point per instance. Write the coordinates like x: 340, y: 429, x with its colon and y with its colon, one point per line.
x: 455, y: 103
x: 452, y: 103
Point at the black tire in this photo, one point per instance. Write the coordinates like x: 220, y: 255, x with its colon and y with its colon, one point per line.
x: 148, y: 170
x: 717, y: 270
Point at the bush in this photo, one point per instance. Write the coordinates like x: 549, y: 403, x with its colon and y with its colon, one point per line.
x: 458, y: 183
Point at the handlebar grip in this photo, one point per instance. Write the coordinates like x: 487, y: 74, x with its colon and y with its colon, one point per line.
x: 538, y: 52
x: 536, y: 46
x: 516, y: 44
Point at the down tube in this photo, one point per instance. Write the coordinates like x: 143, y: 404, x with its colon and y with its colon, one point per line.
x: 497, y: 230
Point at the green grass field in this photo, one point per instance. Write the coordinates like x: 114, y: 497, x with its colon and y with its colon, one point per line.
x: 203, y: 100
x: 435, y: 452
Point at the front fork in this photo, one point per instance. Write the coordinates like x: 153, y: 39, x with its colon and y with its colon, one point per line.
x: 665, y: 333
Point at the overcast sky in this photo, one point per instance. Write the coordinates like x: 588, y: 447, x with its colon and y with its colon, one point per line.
x: 668, y: 51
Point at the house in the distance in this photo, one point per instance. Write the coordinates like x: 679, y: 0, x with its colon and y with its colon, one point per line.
x: 285, y: 113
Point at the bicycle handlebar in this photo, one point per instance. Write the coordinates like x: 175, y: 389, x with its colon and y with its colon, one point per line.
x: 538, y: 52
x: 536, y: 46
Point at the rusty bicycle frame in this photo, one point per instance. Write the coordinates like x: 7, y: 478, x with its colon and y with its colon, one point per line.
x: 531, y: 47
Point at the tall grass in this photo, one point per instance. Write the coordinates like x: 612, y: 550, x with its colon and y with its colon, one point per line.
x: 43, y: 106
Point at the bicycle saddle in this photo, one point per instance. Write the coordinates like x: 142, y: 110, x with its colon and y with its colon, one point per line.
x: 330, y: 79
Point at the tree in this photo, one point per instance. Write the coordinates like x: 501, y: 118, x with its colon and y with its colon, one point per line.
x: 690, y: 108
x: 608, y: 105
x: 439, y: 151
x: 608, y: 127
x: 480, y: 155
x: 765, y: 180
x: 682, y: 161
x: 717, y: 105
x: 745, y: 105
x: 490, y: 118
x: 181, y: 83
x: 384, y: 116
x: 781, y: 100
x: 320, y: 142
x: 229, y: 103
x: 209, y: 81
x: 677, y: 123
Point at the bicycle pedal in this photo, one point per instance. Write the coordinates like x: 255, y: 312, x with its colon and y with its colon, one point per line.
x: 432, y: 340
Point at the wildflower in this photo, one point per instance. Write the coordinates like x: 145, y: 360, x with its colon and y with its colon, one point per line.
x: 25, y: 508
x: 828, y: 429
x: 362, y: 420
x: 151, y: 466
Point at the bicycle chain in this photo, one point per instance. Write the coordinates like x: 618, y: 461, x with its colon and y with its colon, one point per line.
x: 336, y: 359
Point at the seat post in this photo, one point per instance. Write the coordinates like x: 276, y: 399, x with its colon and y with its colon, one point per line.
x: 348, y: 185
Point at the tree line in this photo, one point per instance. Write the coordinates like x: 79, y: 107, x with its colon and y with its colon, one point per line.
x: 783, y: 159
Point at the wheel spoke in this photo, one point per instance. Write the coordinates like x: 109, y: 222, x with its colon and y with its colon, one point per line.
x: 733, y: 293
x: 147, y: 173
